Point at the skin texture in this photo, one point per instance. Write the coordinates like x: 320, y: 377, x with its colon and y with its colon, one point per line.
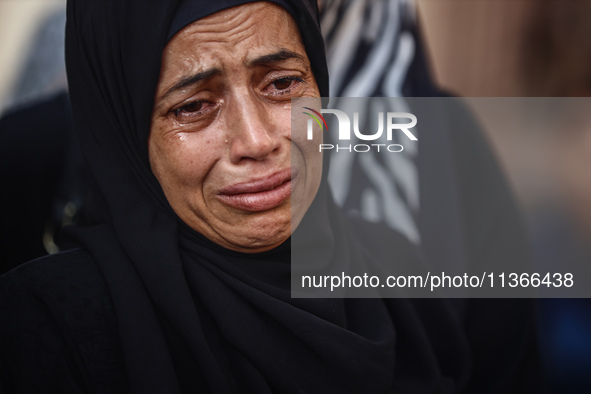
x: 219, y: 143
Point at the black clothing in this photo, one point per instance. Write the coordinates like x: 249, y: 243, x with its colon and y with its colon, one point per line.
x: 60, y: 335
x: 58, y: 331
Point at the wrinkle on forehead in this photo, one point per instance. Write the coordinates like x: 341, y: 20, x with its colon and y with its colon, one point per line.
x: 242, y: 20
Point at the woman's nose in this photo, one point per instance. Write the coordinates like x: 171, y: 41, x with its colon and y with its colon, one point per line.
x: 253, y: 134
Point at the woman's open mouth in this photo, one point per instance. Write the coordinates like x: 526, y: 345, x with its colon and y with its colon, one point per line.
x: 259, y: 194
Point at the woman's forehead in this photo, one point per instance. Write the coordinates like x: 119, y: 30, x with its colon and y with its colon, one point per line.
x: 239, y: 34
x: 242, y: 21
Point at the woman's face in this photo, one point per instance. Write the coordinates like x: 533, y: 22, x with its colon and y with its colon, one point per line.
x: 220, y: 142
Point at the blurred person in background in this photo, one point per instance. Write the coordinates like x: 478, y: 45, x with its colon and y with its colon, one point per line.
x: 449, y: 195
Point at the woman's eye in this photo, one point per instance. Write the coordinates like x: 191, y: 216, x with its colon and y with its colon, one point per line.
x: 195, y: 106
x: 193, y: 110
x: 284, y: 85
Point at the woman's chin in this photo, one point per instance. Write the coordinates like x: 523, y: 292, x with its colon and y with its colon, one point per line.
x: 256, y: 242
x: 254, y: 233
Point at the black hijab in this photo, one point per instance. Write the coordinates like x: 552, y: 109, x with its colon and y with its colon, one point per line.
x: 193, y: 316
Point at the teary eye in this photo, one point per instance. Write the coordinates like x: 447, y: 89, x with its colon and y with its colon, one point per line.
x: 194, y: 111
x: 283, y: 86
x: 284, y: 83
x: 194, y: 106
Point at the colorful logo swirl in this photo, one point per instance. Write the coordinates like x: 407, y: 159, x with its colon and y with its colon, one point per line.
x: 318, y: 115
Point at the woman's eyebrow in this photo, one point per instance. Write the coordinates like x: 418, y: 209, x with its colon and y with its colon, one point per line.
x: 282, y: 55
x: 190, y: 80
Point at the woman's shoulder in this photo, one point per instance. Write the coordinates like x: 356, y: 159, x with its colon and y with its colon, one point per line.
x: 58, y: 327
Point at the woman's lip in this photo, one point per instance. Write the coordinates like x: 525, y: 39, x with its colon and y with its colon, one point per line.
x: 260, y: 194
